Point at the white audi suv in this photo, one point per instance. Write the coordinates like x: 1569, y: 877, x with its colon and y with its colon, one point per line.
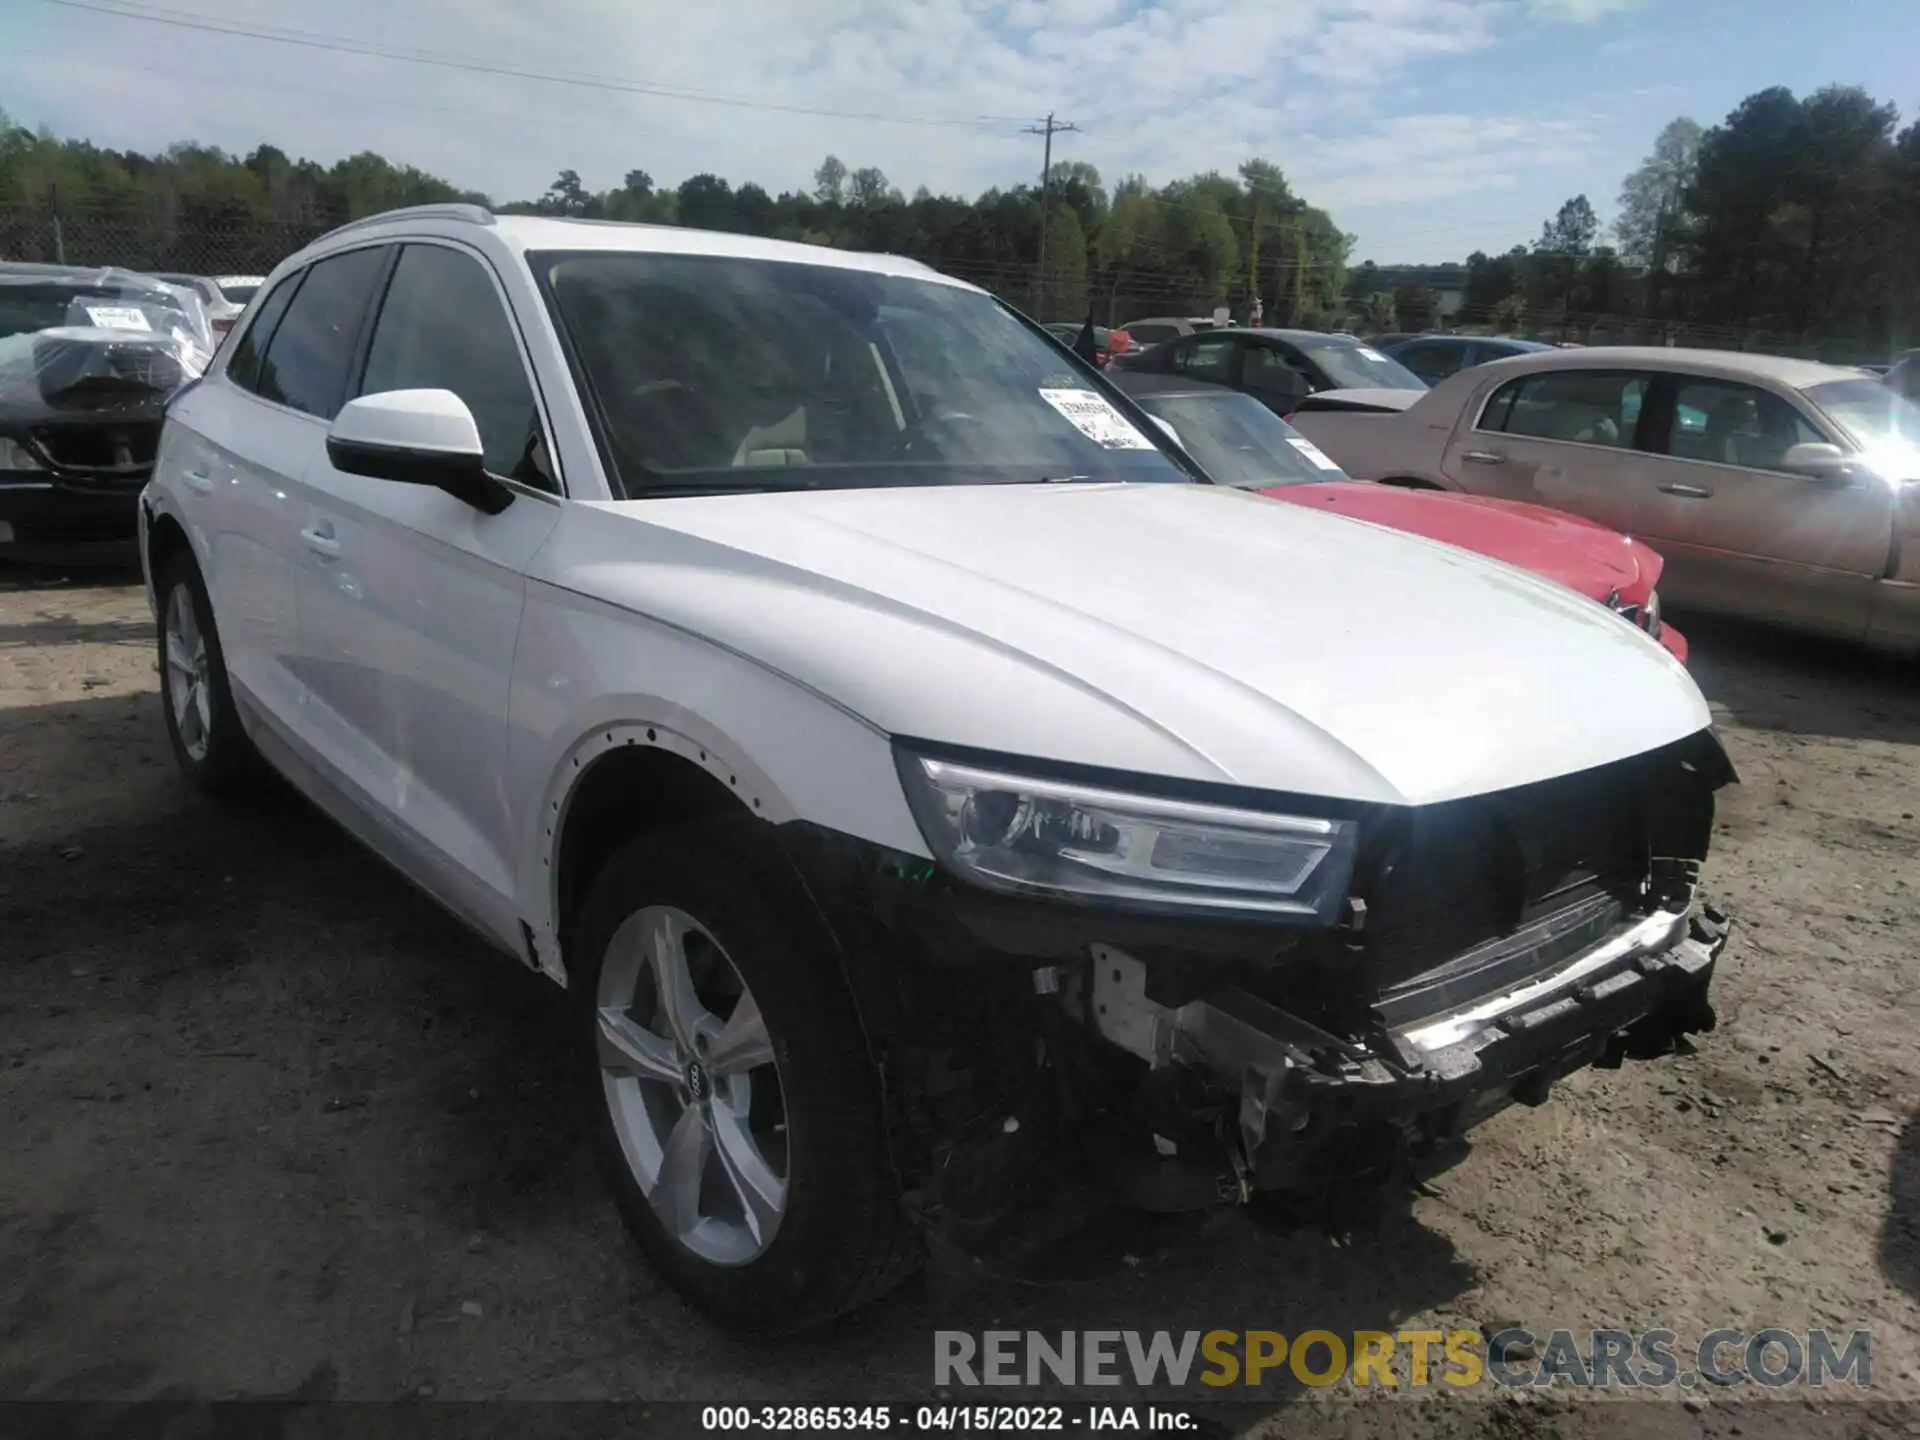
x: 931, y: 793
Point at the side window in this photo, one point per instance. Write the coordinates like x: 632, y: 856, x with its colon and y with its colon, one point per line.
x: 311, y: 350
x: 1268, y: 373
x: 1588, y: 407
x: 444, y: 327
x: 1725, y: 423
x: 1210, y: 360
x: 244, y: 368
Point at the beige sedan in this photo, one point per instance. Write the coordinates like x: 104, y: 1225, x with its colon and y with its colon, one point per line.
x: 1778, y: 490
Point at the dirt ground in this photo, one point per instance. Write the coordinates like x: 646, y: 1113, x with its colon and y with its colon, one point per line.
x: 272, y: 1126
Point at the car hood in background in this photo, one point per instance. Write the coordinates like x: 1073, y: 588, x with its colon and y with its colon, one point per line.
x: 1577, y: 553
x: 1361, y: 400
x: 1181, y: 630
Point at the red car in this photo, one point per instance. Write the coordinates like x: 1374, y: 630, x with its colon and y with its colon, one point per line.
x: 1240, y: 442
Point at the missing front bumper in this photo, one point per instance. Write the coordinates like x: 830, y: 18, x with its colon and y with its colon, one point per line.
x: 1305, y: 1101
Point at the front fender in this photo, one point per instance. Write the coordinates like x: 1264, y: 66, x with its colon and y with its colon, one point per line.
x: 589, y: 677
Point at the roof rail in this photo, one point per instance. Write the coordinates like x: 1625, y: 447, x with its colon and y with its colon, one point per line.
x: 471, y: 214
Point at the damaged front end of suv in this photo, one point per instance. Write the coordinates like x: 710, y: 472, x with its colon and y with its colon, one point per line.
x: 1180, y: 996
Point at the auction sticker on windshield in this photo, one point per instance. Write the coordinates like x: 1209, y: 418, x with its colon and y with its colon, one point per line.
x: 117, y: 317
x: 1094, y: 418
x: 1312, y: 451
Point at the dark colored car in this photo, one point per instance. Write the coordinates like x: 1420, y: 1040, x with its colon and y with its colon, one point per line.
x: 88, y: 360
x: 1279, y: 368
x: 1904, y: 374
x: 1434, y: 357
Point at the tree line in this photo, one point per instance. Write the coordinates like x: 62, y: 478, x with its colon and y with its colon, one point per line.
x: 1196, y: 242
x: 1795, y: 216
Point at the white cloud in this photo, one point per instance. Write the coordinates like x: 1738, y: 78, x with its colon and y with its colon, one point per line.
x: 1581, y: 12
x: 1164, y: 87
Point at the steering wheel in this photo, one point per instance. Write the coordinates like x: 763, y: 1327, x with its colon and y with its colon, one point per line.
x: 910, y: 440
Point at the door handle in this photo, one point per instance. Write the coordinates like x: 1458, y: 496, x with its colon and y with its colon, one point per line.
x: 320, y: 539
x: 1687, y: 492
x: 199, y: 480
x: 1483, y: 457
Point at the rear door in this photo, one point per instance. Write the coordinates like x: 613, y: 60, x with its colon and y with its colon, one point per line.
x: 1566, y: 439
x: 242, y: 450
x: 1742, y: 534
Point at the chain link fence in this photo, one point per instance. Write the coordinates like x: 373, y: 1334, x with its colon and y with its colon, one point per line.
x: 163, y: 242
x: 153, y: 242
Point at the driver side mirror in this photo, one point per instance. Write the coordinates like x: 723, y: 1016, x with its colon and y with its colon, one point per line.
x: 1817, y: 460
x: 416, y: 437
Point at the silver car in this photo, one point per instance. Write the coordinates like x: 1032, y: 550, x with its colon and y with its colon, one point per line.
x: 1778, y: 490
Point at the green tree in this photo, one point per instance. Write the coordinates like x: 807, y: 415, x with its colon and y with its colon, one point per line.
x: 1653, y: 201
x: 707, y: 203
x: 829, y: 181
x: 566, y: 196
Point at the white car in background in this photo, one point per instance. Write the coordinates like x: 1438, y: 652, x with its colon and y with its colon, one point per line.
x: 225, y: 297
x: 906, y: 762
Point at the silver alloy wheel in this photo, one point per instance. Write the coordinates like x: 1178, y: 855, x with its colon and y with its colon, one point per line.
x: 187, y: 688
x: 691, y: 1083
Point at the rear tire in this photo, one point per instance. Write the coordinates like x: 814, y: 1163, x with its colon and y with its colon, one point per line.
x: 209, y: 743
x: 736, y: 1110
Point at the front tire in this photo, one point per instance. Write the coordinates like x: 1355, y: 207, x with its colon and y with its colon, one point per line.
x: 209, y: 743
x: 736, y: 1110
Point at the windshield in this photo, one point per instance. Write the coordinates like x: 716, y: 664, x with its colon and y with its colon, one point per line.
x: 1884, y: 422
x: 1360, y: 367
x: 27, y: 308
x: 711, y: 374
x: 1240, y: 442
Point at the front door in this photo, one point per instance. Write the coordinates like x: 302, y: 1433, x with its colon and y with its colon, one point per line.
x: 410, y: 613
x: 1740, y: 533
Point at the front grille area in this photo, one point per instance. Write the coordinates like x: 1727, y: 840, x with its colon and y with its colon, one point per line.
x: 1569, y: 858
x: 113, y: 454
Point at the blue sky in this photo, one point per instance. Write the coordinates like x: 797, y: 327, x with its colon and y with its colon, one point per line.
x: 1429, y: 128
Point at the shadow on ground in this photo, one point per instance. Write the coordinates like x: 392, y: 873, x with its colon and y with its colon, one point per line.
x: 1900, y: 1230
x: 88, y: 570
x: 272, y: 1115
x: 1774, y: 680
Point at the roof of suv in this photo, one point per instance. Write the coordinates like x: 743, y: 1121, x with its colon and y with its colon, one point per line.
x: 521, y: 233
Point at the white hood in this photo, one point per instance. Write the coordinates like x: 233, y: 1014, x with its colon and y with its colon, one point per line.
x: 1179, y: 630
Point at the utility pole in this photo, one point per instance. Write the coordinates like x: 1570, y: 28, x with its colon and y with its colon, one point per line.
x: 1049, y: 128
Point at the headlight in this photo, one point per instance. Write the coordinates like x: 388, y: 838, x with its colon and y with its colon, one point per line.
x: 14, y: 456
x: 1033, y: 836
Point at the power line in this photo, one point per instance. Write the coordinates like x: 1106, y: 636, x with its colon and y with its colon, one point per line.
x: 279, y: 35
